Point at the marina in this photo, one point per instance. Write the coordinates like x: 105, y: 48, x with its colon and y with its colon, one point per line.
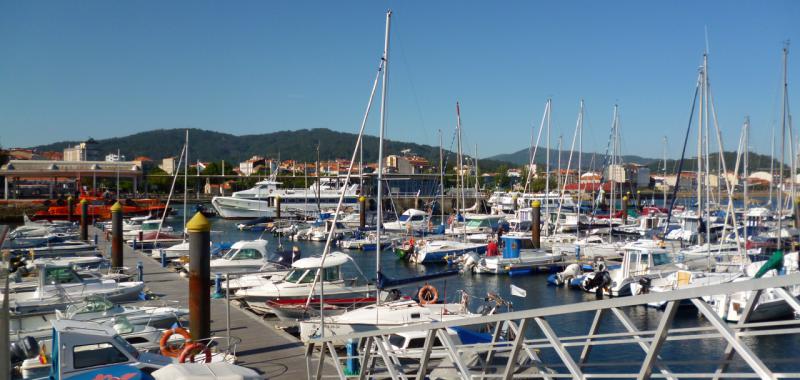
x: 364, y: 257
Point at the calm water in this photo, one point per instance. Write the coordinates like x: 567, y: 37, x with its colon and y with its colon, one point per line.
x: 539, y: 294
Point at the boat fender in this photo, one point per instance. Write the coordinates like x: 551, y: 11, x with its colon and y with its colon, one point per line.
x: 193, y: 349
x: 428, y: 295
x: 172, y: 350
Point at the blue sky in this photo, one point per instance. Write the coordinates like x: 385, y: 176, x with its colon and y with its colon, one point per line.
x: 70, y: 70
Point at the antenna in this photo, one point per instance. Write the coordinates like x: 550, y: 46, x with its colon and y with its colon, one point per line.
x: 706, y: 35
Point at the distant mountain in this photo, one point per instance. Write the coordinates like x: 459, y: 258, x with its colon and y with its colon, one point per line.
x: 595, y: 161
x: 590, y: 159
x: 215, y: 146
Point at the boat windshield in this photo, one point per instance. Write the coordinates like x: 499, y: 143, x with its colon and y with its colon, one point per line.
x: 476, y: 223
x: 243, y: 254
x: 55, y: 276
x: 300, y: 276
x: 403, y: 218
x: 661, y: 259
x: 92, y: 305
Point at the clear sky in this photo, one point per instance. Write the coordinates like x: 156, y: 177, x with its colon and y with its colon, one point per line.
x: 70, y: 70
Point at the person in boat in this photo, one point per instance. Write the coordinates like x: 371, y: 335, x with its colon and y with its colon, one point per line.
x: 491, y: 248
x: 500, y: 231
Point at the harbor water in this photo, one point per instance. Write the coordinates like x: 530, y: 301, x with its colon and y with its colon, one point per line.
x: 539, y: 295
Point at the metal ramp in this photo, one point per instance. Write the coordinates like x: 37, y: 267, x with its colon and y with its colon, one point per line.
x: 524, y: 344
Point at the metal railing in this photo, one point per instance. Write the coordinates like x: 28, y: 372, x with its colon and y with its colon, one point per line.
x: 512, y: 352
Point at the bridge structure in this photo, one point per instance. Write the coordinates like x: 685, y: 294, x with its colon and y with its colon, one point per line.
x: 525, y: 344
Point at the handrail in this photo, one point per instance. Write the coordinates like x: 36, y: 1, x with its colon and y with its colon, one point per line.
x: 675, y: 295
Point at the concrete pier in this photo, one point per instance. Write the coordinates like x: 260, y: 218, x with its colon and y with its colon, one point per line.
x: 265, y: 348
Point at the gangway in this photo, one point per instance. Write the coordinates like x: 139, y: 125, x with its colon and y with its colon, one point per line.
x: 524, y: 344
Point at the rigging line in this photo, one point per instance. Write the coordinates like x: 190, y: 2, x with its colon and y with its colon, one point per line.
x: 398, y: 42
x: 683, y: 155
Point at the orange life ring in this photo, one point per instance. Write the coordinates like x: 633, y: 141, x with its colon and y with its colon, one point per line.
x: 193, y: 349
x: 171, y: 350
x: 428, y: 295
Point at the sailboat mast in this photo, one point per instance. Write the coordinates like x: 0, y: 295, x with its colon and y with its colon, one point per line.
x: 185, y: 179
x: 461, y: 197
x: 612, y: 170
x: 558, y: 161
x: 384, y: 88
x: 441, y: 178
x: 547, y: 171
x: 664, y: 170
x: 580, y: 158
x: 700, y: 145
x: 707, y: 157
x: 477, y: 196
x: 745, y: 174
x: 771, y: 164
x: 783, y: 146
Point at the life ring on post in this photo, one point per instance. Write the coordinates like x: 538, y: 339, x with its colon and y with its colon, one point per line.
x: 172, y: 350
x: 428, y: 295
x: 193, y: 349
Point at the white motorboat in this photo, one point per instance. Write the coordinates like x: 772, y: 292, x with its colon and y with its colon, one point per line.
x: 437, y: 251
x: 99, y: 310
x: 59, y: 286
x: 770, y: 304
x: 409, y: 221
x: 244, y: 256
x: 287, y: 297
x: 388, y: 314
x: 590, y: 247
x: 261, y: 200
x: 147, y: 227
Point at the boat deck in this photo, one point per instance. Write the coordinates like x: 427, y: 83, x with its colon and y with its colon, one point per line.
x: 264, y: 348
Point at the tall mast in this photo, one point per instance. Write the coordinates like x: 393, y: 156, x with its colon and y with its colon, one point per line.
x: 558, y: 161
x: 664, y: 170
x: 745, y: 174
x: 771, y: 164
x: 384, y: 88
x: 700, y: 145
x: 185, y: 180
x: 319, y: 180
x: 707, y: 166
x: 477, y: 198
x: 441, y: 178
x: 783, y: 146
x: 547, y: 170
x: 461, y: 197
x: 580, y: 158
x: 613, y: 169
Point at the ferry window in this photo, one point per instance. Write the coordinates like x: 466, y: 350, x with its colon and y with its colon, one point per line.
x: 331, y: 274
x: 61, y: 276
x: 247, y: 254
x: 92, y: 355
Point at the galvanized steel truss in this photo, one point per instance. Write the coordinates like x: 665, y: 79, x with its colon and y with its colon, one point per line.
x: 521, y: 354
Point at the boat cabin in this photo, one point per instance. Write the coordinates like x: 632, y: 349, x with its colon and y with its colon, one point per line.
x: 639, y: 259
x: 412, y: 215
x: 304, y: 270
x: 247, y: 250
x: 83, y: 350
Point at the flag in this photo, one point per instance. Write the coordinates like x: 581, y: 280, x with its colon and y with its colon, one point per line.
x: 517, y: 291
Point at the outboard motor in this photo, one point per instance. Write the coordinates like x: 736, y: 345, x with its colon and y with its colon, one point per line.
x: 471, y: 260
x: 25, y: 348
